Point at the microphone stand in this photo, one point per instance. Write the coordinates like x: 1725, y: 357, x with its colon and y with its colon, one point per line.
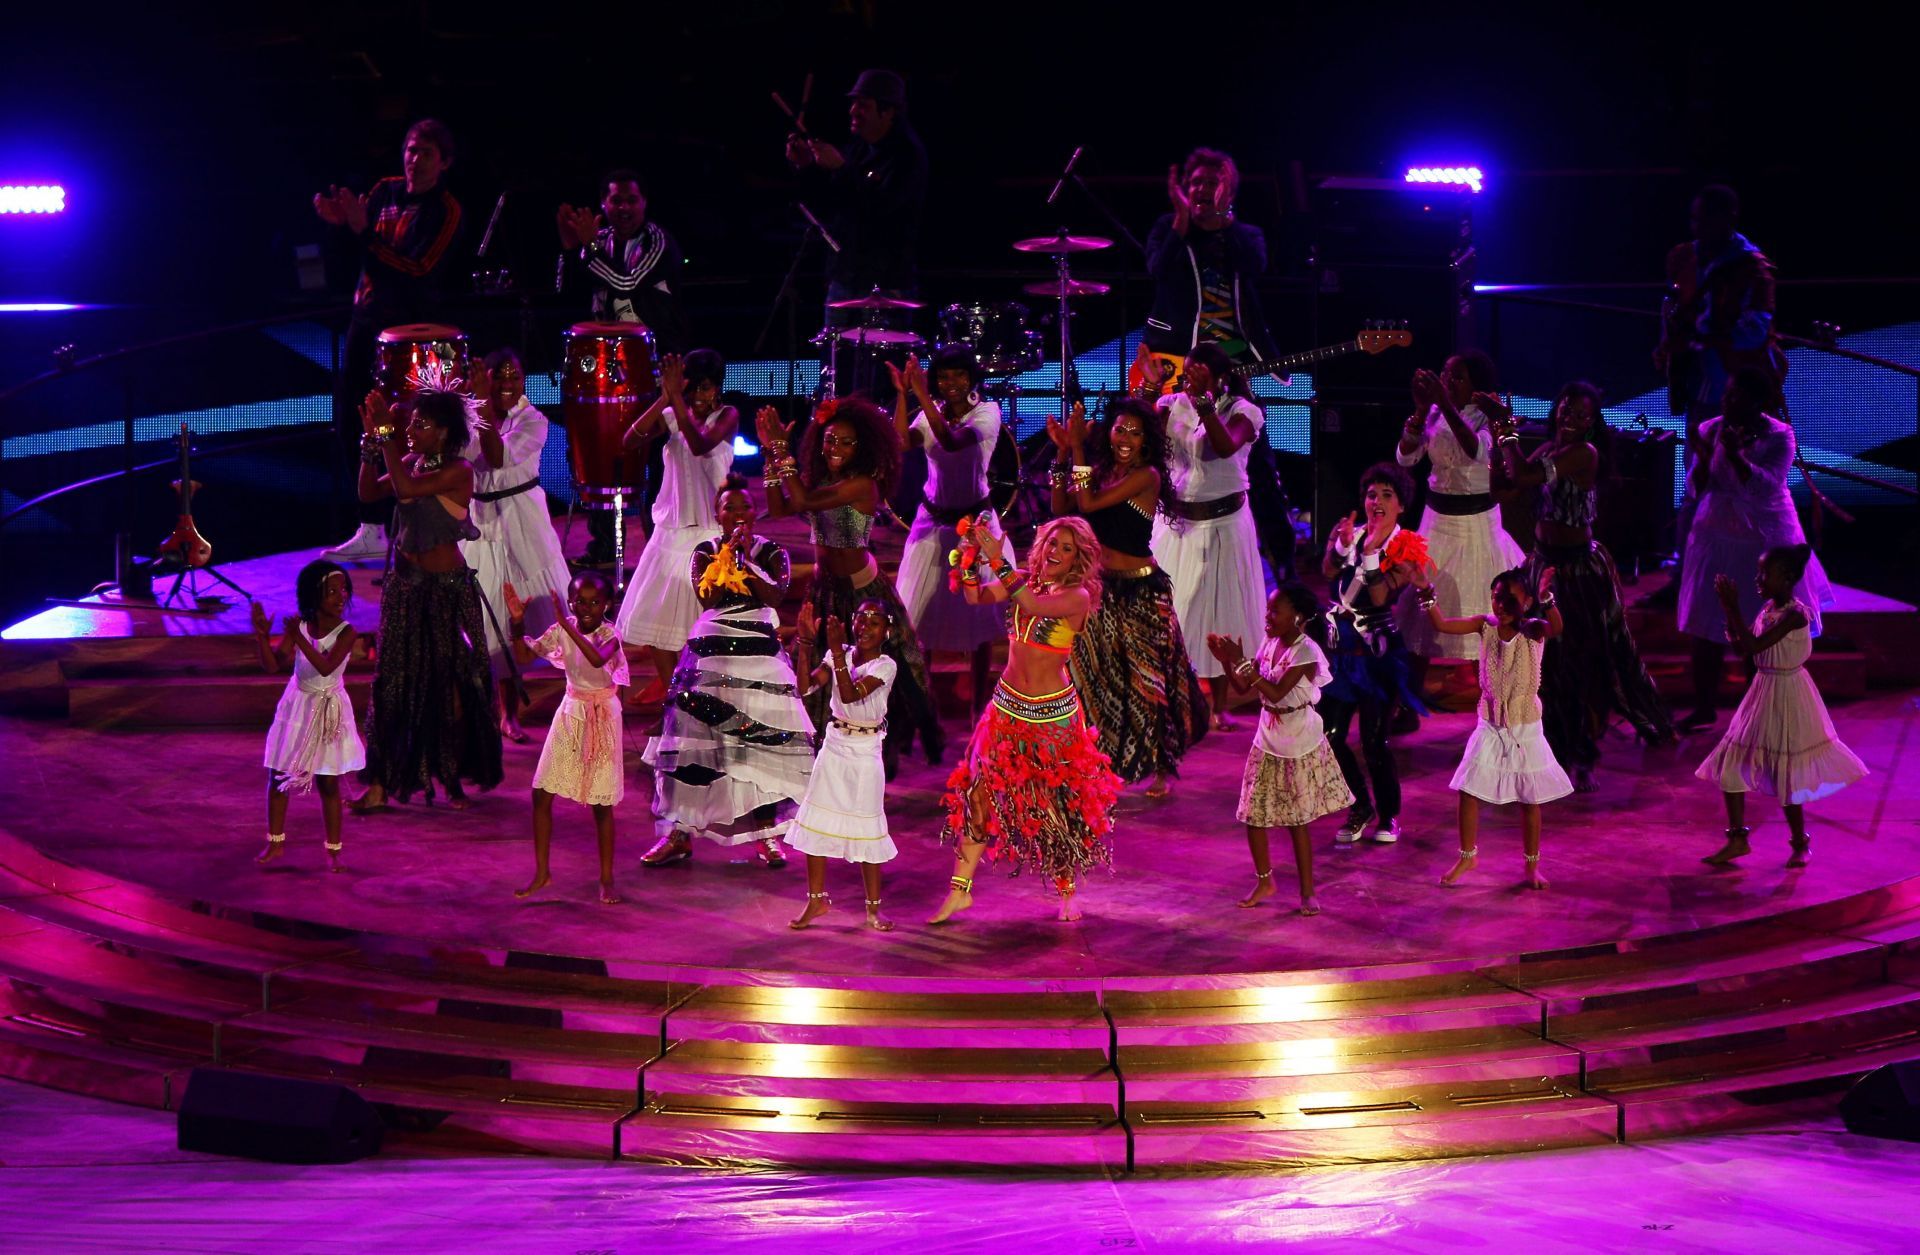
x: 789, y: 296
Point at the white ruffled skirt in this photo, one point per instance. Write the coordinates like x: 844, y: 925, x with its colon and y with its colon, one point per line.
x: 1511, y: 764
x: 660, y: 607
x: 844, y: 814
x: 313, y: 734
x: 517, y: 545
x: 1467, y: 551
x: 1781, y: 743
x: 1219, y: 585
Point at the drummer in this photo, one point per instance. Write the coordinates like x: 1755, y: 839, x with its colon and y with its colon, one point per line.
x: 631, y: 267
x: 405, y: 228
x: 959, y: 433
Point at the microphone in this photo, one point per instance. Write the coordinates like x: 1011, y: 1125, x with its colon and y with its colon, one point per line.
x: 1065, y: 174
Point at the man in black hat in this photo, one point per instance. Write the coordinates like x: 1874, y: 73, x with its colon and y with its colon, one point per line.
x: 872, y: 193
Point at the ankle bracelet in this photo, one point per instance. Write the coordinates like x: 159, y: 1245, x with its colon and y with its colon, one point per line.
x: 334, y: 847
x: 817, y: 897
x: 1473, y: 853
x: 963, y: 883
x: 1532, y: 859
x: 873, y: 904
x: 1266, y: 875
x: 276, y: 838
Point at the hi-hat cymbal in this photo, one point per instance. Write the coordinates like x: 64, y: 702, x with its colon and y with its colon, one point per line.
x: 1072, y: 287
x: 879, y: 335
x: 875, y: 301
x: 1061, y: 244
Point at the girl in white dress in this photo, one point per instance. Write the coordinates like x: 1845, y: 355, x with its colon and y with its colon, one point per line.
x: 584, y: 755
x: 1451, y: 426
x: 959, y: 433
x: 1291, y: 777
x: 1507, y: 758
x: 314, y: 739
x: 844, y: 814
x: 1781, y: 742
x: 659, y: 607
x: 1204, y: 536
x: 517, y: 543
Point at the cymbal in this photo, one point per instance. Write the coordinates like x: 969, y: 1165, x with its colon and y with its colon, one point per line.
x: 1063, y: 243
x: 1072, y: 287
x: 875, y: 301
x: 879, y: 335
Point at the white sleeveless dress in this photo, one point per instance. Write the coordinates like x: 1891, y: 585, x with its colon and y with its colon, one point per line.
x: 314, y: 732
x: 659, y: 607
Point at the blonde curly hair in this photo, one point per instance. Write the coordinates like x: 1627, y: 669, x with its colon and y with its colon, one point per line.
x: 1085, y: 571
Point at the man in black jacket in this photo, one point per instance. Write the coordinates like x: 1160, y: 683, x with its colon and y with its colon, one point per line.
x: 1204, y: 264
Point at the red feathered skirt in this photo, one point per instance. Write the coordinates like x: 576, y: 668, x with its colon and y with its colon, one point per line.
x: 1034, y: 787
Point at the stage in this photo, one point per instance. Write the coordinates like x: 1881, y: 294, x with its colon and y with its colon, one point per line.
x: 1644, y: 994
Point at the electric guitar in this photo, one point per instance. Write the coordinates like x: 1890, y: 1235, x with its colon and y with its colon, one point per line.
x: 1376, y: 338
x: 186, y: 548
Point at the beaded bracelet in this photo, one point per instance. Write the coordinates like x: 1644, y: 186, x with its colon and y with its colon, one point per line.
x: 1426, y: 597
x: 1003, y: 570
x: 1246, y: 669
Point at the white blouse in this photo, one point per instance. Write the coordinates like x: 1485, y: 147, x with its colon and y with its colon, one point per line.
x: 1294, y: 729
x: 871, y: 710
x: 1197, y: 473
x: 1454, y: 473
x: 523, y: 433
x: 558, y: 648
x: 958, y: 477
x: 688, y: 481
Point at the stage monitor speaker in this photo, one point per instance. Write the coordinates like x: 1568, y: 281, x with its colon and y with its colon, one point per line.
x: 1885, y: 1103
x: 276, y: 1119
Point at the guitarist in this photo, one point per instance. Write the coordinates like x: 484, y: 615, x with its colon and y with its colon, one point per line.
x: 1204, y: 263
x: 1718, y: 317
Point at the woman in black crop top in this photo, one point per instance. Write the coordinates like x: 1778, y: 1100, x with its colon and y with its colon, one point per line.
x: 1130, y: 663
x: 434, y: 716
x: 1592, y: 669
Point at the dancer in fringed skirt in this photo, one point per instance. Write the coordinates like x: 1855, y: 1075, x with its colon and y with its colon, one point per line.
x: 1034, y: 791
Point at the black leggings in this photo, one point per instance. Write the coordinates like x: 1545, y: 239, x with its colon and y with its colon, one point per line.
x: 1376, y: 717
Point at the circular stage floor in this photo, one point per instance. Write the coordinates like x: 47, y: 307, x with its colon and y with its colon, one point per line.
x: 183, y: 811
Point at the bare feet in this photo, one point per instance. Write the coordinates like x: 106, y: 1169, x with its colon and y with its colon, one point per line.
x: 1799, y: 855
x: 817, y: 905
x: 1583, y: 780
x: 458, y: 802
x: 1069, y: 908
x: 1533, y: 879
x: 1221, y: 723
x: 1736, y: 847
x: 875, y: 920
x: 541, y: 879
x: 1262, y: 890
x: 371, y: 802
x: 959, y: 898
x: 1467, y: 861
x: 609, y: 896
x: 275, y: 847
x: 1161, y: 787
x: 333, y: 856
x: 510, y: 729
x: 1309, y: 905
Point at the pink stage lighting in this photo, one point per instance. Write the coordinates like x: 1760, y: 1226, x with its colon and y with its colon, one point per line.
x: 1469, y: 177
x: 32, y: 199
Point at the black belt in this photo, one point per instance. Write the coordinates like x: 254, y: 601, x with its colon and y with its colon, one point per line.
x: 951, y: 518
x: 1460, y: 503
x: 1201, y: 511
x: 504, y: 493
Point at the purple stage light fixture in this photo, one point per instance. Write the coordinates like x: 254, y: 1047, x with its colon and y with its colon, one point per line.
x: 1469, y: 177
x: 28, y: 198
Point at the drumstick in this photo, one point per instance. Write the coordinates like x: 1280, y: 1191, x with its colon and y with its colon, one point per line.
x: 806, y: 98
x: 798, y: 123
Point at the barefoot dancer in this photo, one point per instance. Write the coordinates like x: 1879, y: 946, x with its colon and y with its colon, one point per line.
x: 659, y: 606
x: 959, y: 432
x: 433, y: 717
x: 517, y: 542
x: 844, y: 813
x: 1291, y: 777
x: 1206, y: 538
x: 583, y: 759
x: 1033, y: 788
x: 1507, y: 757
x: 1781, y: 741
x: 313, y: 741
x: 845, y: 470
x: 735, y: 744
x: 1131, y: 664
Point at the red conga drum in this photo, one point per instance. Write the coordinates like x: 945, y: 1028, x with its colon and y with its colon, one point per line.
x: 403, y: 354
x: 610, y: 380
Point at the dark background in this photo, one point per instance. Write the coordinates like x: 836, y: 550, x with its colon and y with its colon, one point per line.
x: 191, y: 143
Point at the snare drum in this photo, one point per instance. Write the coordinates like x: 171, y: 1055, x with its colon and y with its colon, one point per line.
x: 610, y: 380
x: 997, y: 332
x: 403, y: 355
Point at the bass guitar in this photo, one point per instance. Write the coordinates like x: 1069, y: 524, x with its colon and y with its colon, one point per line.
x: 186, y: 549
x: 1374, y: 339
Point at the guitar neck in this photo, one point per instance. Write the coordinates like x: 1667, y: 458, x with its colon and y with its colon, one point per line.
x: 1310, y: 356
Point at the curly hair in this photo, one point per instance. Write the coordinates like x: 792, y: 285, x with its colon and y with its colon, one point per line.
x: 311, y: 585
x: 1791, y: 559
x: 1600, y: 436
x: 450, y: 411
x: 1305, y: 603
x: 876, y: 455
x: 1393, y: 476
x: 1215, y: 359
x: 1153, y: 439
x: 1481, y: 371
x: 1085, y: 571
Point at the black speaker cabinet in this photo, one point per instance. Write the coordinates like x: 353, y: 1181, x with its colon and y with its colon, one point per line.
x: 1885, y: 1103
x: 275, y: 1119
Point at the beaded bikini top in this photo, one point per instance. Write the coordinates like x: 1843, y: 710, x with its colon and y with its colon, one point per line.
x: 1042, y: 632
x: 842, y: 527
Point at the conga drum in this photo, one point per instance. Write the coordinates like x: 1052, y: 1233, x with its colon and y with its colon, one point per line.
x: 610, y: 380
x: 407, y: 356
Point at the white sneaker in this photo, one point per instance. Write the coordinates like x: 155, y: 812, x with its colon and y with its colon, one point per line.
x: 1389, y: 834
x: 368, y: 542
x: 1352, y: 831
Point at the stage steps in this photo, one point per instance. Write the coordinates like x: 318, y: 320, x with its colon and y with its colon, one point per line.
x: 116, y: 990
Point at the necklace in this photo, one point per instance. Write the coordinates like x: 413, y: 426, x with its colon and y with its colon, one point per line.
x: 430, y: 461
